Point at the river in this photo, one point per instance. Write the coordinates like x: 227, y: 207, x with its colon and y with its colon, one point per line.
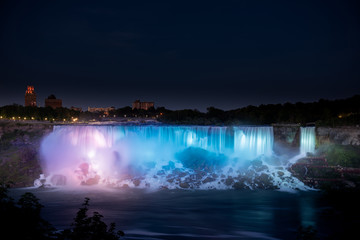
x: 204, y: 214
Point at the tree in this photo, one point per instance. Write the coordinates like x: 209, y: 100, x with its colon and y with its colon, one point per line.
x: 90, y: 228
x: 307, y: 233
x: 22, y: 220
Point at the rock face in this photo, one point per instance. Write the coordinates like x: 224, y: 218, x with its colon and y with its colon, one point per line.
x: 201, y: 160
x: 19, y: 146
x: 287, y: 134
x: 341, y: 135
x: 286, y: 138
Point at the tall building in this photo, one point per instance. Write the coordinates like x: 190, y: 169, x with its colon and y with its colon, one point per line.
x: 51, y: 101
x: 30, y: 97
x: 142, y: 105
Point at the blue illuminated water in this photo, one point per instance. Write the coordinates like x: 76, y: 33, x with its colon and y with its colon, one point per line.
x: 163, y: 156
x: 307, y: 140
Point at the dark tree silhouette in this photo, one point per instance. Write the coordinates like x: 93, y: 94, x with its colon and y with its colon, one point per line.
x: 307, y: 233
x: 90, y: 228
x: 22, y: 220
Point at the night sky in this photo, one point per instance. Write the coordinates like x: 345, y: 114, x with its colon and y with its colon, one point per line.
x: 179, y: 54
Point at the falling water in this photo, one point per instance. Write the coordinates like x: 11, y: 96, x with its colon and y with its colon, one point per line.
x: 307, y: 140
x: 159, y: 156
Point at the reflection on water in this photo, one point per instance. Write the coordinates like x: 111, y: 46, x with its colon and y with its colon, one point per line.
x: 177, y: 214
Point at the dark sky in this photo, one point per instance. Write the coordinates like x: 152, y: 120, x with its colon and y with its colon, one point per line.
x: 180, y: 54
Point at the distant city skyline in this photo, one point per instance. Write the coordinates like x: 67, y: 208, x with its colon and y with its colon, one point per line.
x: 179, y: 54
x: 41, y: 103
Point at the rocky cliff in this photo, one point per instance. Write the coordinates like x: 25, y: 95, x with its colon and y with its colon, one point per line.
x: 19, y: 146
x: 339, y: 135
x: 288, y: 135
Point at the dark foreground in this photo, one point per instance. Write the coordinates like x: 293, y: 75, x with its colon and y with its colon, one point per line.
x: 177, y: 214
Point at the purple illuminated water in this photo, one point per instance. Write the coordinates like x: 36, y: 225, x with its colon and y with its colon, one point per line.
x: 200, y: 157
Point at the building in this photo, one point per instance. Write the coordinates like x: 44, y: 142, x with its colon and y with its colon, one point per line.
x: 78, y: 109
x: 105, y: 110
x: 142, y: 105
x: 30, y: 97
x: 53, y: 102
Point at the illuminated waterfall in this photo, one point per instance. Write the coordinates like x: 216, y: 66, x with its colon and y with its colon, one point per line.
x: 307, y: 140
x: 253, y: 141
x: 129, y: 151
x: 249, y: 142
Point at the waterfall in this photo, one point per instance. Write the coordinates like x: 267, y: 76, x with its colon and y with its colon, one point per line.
x: 307, y: 140
x: 246, y: 141
x: 92, y: 154
x: 253, y: 141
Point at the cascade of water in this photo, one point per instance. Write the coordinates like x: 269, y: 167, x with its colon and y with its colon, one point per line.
x: 127, y: 151
x: 253, y: 141
x: 249, y: 141
x: 307, y: 140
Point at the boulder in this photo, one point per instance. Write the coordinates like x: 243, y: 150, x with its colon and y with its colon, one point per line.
x: 201, y: 160
x: 92, y: 181
x: 136, y: 182
x: 184, y: 185
x: 58, y: 180
x: 208, y: 179
x: 240, y: 185
x: 229, y: 181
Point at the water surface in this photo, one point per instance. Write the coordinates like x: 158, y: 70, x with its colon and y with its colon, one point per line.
x: 211, y: 214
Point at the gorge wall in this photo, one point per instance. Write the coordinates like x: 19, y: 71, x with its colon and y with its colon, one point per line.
x: 19, y: 151
x: 288, y: 135
x: 338, y: 135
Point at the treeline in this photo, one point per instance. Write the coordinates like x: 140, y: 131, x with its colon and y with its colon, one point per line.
x: 18, y: 112
x: 323, y: 113
x: 129, y: 112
